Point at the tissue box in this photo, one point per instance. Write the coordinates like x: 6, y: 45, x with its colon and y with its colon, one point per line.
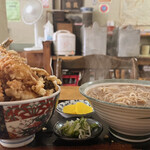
x: 127, y: 42
x: 94, y: 39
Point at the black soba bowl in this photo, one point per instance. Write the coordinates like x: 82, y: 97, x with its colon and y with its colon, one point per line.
x: 127, y: 114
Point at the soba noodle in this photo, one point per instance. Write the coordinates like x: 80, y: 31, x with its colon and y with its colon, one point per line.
x: 125, y: 94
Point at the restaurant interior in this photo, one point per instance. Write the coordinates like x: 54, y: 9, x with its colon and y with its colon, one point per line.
x: 74, y: 74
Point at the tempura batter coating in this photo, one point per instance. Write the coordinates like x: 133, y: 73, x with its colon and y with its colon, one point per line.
x: 1, y: 93
x: 19, y: 81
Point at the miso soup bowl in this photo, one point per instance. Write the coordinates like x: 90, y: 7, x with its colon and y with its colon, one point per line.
x: 129, y: 123
x: 20, y: 120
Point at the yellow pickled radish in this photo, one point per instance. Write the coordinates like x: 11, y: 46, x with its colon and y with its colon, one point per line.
x: 69, y: 109
x: 78, y: 108
x: 82, y: 108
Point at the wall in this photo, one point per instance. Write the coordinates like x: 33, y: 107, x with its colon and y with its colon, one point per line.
x: 113, y: 14
x: 3, y: 22
x: 23, y: 34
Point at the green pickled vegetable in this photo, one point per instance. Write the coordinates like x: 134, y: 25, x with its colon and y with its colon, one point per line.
x: 79, y: 128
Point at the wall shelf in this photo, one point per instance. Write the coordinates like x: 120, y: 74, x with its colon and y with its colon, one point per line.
x: 142, y: 34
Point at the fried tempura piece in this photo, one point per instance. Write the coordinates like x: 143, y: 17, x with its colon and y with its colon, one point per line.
x: 54, y: 80
x: 6, y: 43
x: 50, y: 81
x: 15, y: 54
x: 13, y: 67
x: 1, y: 93
x: 17, y: 91
x: 40, y: 72
x: 39, y: 87
x: 19, y: 81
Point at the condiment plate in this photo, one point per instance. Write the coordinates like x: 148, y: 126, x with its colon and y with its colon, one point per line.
x: 61, y: 105
x: 94, y: 133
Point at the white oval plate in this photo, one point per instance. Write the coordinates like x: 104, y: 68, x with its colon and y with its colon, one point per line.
x: 61, y: 105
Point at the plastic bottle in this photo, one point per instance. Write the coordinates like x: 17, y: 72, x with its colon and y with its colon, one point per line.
x: 48, y: 31
x: 110, y: 26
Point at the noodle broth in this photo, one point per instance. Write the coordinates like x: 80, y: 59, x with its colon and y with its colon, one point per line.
x: 124, y: 94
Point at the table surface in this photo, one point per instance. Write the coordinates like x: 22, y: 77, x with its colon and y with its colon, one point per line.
x: 46, y: 139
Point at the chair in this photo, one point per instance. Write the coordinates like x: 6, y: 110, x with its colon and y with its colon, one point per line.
x: 40, y: 58
x: 47, y: 56
x: 94, y: 67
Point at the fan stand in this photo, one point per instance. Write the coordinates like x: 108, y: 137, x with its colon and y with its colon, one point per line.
x: 36, y: 46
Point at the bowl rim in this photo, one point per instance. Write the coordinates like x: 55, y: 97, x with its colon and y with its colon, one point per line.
x: 8, y: 103
x: 86, y: 85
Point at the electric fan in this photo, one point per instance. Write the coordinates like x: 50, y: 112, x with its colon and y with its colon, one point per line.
x: 31, y: 13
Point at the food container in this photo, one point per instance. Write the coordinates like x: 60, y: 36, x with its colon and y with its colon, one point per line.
x: 94, y: 39
x: 64, y: 43
x: 87, y: 15
x: 125, y: 42
x: 145, y: 49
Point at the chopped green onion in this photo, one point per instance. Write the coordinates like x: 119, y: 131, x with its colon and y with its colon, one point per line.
x: 79, y: 128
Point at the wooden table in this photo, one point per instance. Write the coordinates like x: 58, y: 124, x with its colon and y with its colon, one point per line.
x: 70, y: 92
x: 46, y: 140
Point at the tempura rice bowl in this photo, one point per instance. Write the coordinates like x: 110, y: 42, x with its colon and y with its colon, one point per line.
x: 129, y: 123
x: 20, y: 120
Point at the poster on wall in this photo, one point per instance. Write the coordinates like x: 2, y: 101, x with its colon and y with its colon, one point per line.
x: 13, y: 10
x: 104, y: 1
x: 135, y: 12
x: 104, y: 8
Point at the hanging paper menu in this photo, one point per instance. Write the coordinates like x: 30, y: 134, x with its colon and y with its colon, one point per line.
x: 13, y: 10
